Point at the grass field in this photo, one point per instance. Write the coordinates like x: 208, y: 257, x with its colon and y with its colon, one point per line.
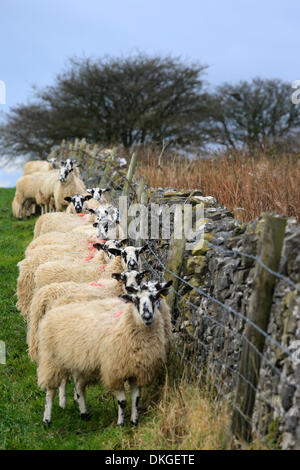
x: 174, y: 418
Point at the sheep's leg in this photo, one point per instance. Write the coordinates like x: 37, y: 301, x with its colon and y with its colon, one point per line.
x: 80, y: 393
x: 33, y: 211
x: 135, y: 398
x: 63, y: 392
x: 121, y: 397
x: 21, y: 212
x: 50, y: 394
x: 28, y: 205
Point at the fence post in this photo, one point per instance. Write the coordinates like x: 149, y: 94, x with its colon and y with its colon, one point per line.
x: 142, y: 198
x: 174, y: 264
x: 130, y: 173
x: 108, y: 166
x: 269, y: 251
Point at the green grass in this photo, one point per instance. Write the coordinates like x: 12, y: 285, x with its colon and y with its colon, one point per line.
x: 21, y: 401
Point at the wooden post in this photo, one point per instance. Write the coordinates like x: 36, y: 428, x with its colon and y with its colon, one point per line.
x: 104, y: 177
x: 269, y: 251
x: 130, y: 174
x: 174, y: 264
x: 142, y: 198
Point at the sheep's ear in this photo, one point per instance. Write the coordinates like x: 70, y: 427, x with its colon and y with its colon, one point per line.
x: 68, y: 199
x: 88, y: 197
x: 114, y: 251
x: 126, y: 298
x: 106, y: 189
x: 90, y: 191
x: 143, y: 248
x: 117, y: 276
x: 145, y: 273
x: 124, y: 242
x: 141, y: 275
x: 95, y: 224
x: 62, y: 164
x: 164, y: 291
x: 91, y: 211
x: 99, y: 246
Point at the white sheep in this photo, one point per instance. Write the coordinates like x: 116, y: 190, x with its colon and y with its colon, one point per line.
x: 77, y: 203
x: 26, y: 191
x: 67, y: 292
x: 40, y: 166
x: 62, y: 222
x: 69, y: 183
x: 97, y: 193
x: 45, y: 197
x: 68, y: 255
x: 61, y: 271
x: 111, y: 339
x: 63, y: 238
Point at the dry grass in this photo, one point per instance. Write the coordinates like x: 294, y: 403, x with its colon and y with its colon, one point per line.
x: 246, y: 185
x: 185, y: 418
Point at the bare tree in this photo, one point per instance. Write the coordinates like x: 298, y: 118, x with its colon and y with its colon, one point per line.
x: 256, y: 114
x: 114, y: 100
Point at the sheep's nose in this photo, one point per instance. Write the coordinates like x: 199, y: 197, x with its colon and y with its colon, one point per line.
x: 132, y: 264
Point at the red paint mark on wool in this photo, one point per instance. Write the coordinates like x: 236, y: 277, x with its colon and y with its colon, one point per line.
x: 89, y: 257
x: 95, y: 284
x: 102, y: 267
x: 81, y: 215
x: 116, y: 315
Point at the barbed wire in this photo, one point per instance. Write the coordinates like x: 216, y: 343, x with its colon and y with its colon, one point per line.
x: 255, y: 258
x: 221, y: 304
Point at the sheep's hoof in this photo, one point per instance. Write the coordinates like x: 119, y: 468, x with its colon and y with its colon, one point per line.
x: 20, y: 218
x: 120, y: 425
x: 134, y: 423
x: 85, y: 416
x: 46, y: 423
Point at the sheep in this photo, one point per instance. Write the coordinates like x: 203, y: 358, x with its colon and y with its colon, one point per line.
x: 57, y: 271
x: 63, y: 238
x: 40, y: 166
x: 26, y: 191
x: 69, y: 184
x: 62, y: 222
x: 76, y: 203
x: 130, y: 255
x: 97, y: 193
x: 44, y: 196
x: 118, y: 340
x: 25, y: 282
x: 155, y: 286
x: 67, y: 255
x: 67, y: 292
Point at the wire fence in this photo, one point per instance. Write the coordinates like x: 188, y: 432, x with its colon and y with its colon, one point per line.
x: 215, y: 342
x: 266, y: 410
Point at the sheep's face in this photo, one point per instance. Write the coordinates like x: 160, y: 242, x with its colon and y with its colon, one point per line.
x: 78, y: 201
x: 106, y: 219
x: 130, y: 278
x: 64, y: 172
x: 71, y: 163
x: 109, y: 244
x: 53, y: 162
x: 130, y: 256
x: 97, y: 193
x: 145, y: 301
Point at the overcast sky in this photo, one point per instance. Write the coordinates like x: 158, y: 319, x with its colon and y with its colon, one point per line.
x: 237, y: 39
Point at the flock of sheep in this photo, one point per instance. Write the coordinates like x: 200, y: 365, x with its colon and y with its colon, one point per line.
x: 91, y: 312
